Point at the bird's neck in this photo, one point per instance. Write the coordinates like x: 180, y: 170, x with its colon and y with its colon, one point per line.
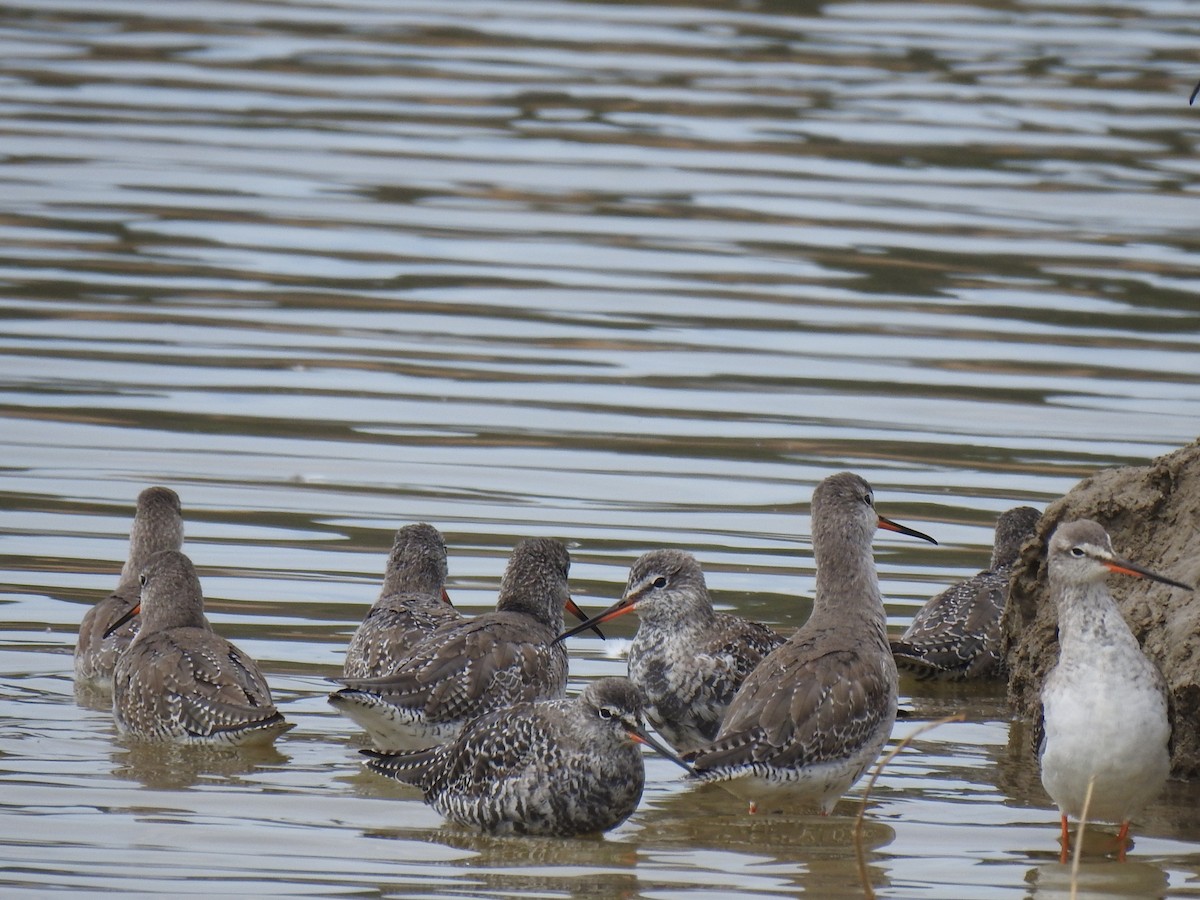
x: 847, y: 589
x: 548, y: 612
x: 401, y: 581
x: 174, y: 616
x: 147, y: 537
x: 1088, y: 617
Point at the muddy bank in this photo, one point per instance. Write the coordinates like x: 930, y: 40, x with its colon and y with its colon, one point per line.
x: 1153, y: 516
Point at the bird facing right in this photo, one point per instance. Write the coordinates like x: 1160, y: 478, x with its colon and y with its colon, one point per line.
x: 555, y: 767
x: 472, y: 666
x: 1104, y: 704
x: 817, y: 711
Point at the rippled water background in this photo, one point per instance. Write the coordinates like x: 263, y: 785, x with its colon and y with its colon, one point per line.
x: 633, y: 275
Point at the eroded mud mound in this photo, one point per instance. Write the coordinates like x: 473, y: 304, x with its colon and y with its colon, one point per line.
x: 1152, y: 514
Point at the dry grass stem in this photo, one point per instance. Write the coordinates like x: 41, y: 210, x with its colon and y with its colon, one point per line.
x: 1087, y: 801
x: 859, y: 849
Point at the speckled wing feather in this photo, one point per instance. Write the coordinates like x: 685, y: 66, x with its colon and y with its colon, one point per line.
x: 192, y: 681
x: 492, y: 748
x: 689, y: 710
x: 408, y: 767
x: 744, y: 643
x: 785, y: 716
x: 1038, y: 735
x: 470, y: 667
x: 957, y: 633
x: 391, y: 630
x: 498, y: 747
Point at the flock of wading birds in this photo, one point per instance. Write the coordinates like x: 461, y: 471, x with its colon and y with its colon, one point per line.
x: 472, y: 710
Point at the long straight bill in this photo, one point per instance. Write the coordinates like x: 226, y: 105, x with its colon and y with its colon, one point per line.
x: 121, y: 621
x: 578, y: 613
x: 639, y: 736
x: 889, y: 525
x: 1125, y: 567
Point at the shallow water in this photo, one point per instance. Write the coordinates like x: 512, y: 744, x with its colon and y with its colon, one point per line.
x: 630, y: 275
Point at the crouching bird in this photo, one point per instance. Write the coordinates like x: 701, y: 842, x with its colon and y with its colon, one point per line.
x: 553, y: 767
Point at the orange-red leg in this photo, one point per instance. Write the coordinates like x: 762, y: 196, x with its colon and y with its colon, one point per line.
x: 1122, y: 840
x: 753, y: 807
x: 1066, y: 842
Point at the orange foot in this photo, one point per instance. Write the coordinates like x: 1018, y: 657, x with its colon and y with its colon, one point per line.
x: 1122, y: 840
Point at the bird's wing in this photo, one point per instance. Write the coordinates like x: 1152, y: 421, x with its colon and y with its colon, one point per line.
x: 198, y: 676
x: 801, y: 709
x: 471, y: 666
x: 389, y: 634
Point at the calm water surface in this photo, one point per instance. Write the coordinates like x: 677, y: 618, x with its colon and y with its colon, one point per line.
x: 631, y: 275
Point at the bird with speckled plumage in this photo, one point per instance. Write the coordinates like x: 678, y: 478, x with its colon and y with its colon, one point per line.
x: 157, y: 525
x: 688, y: 659
x: 179, y: 680
x: 555, y: 767
x: 956, y: 636
x: 469, y: 667
x: 412, y: 604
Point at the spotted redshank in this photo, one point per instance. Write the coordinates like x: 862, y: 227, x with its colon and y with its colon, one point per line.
x: 1104, y: 704
x: 179, y: 680
x: 157, y: 525
x: 817, y: 711
x: 411, y: 606
x: 555, y: 767
x: 472, y: 666
x: 955, y: 636
x: 687, y: 659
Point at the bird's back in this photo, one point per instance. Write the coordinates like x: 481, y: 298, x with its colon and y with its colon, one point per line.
x: 191, y: 684
x: 391, y: 630
x: 810, y: 701
x: 957, y: 634
x: 470, y: 667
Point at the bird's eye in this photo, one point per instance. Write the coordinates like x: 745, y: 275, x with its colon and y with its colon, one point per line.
x: 660, y: 581
x: 607, y: 712
x: 1077, y: 551
x: 868, y: 499
x: 142, y: 579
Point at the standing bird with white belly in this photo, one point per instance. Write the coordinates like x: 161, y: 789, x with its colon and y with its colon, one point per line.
x: 1104, y: 725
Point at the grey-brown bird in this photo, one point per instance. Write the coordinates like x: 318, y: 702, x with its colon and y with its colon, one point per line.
x: 554, y: 767
x: 817, y: 711
x: 157, y: 525
x: 956, y: 635
x: 470, y: 667
x: 412, y: 604
x: 179, y: 681
x: 687, y: 659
